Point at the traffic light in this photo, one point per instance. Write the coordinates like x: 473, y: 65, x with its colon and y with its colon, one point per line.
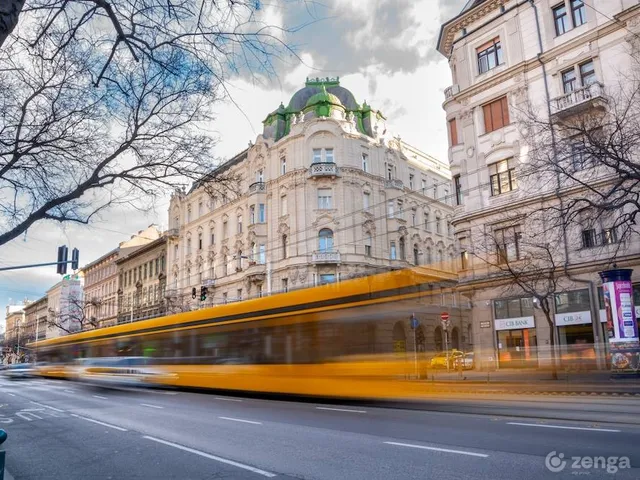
x: 63, y: 254
x: 203, y: 293
x: 193, y: 292
x: 75, y: 258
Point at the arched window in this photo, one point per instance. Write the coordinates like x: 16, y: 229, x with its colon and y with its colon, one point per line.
x: 440, y: 256
x: 403, y: 250
x: 199, y: 240
x: 284, y: 246
x: 429, y: 259
x: 416, y: 254
x: 225, y: 265
x: 325, y: 240
x: 254, y: 252
x: 367, y: 244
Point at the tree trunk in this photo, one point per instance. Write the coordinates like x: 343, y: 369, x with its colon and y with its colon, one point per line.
x: 554, y: 367
x: 9, y: 13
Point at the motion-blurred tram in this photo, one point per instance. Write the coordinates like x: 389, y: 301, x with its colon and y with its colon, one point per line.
x: 339, y: 340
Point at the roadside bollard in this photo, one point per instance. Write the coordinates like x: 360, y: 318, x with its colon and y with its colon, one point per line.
x: 3, y: 437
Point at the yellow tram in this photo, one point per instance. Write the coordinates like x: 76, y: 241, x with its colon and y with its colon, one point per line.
x: 335, y: 340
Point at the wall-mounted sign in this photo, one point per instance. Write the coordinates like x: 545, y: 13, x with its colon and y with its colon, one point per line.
x: 485, y: 324
x: 515, y: 323
x: 573, y: 318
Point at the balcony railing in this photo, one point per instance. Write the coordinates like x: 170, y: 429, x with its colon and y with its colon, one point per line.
x: 323, y: 169
x: 451, y: 90
x: 395, y: 183
x: 580, y: 96
x: 326, y: 257
x: 257, y: 187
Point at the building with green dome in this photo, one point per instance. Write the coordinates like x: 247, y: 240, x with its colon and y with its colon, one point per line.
x: 325, y: 193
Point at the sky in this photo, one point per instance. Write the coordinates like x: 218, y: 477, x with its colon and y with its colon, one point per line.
x: 382, y: 50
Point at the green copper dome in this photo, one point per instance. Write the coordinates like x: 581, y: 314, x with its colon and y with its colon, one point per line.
x: 323, y: 97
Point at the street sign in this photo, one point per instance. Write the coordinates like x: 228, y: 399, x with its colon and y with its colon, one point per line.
x: 444, y: 316
x: 485, y: 324
x: 414, y: 322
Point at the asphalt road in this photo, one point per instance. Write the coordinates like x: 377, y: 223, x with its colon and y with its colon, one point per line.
x: 61, y: 430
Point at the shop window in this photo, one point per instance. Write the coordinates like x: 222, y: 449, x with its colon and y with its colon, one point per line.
x: 513, y: 307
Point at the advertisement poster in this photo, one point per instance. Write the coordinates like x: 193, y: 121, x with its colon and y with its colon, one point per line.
x: 622, y: 326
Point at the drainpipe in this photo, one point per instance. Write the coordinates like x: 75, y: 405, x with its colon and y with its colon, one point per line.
x: 595, y: 316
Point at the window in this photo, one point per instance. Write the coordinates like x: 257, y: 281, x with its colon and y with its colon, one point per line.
x: 212, y: 237
x: 367, y: 244
x: 579, y: 157
x: 323, y: 155
x: 225, y: 230
x: 157, y: 264
x: 453, y: 132
x: 449, y: 228
x: 438, y: 226
x: 508, y: 244
x: 259, y: 291
x: 284, y: 246
x: 561, y: 19
x: 162, y: 263
x: 130, y: 282
x: 199, y: 240
x: 262, y: 213
x: 427, y: 227
x: 285, y: 284
x: 464, y: 259
x: 440, y: 256
x: 502, y: 177
x: 225, y: 265
x: 260, y: 176
x: 496, y: 114
x: 411, y: 177
x: 416, y: 254
x: 239, y: 260
x: 262, y: 254
x: 423, y: 186
x: 578, y: 13
x: 573, y: 301
x: 283, y: 165
x: 283, y: 205
x: 366, y: 200
x: 328, y: 155
x: 489, y: 55
x: 317, y: 155
x: 414, y: 213
x: 327, y: 278
x: 400, y: 209
x: 389, y: 172
x: 324, y: 198
x: 569, y: 83
x: 392, y: 251
x: 239, y: 294
x: 200, y: 208
x: 239, y: 218
x: 589, y: 238
x: 391, y: 208
x: 254, y: 252
x: 252, y: 214
x: 587, y: 74
x: 365, y: 162
x: 513, y: 308
x: 188, y: 246
x: 609, y: 236
x: 458, y: 189
x: 224, y: 297
x: 325, y: 240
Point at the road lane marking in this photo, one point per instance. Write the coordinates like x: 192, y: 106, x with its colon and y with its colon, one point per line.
x: 228, y: 399
x: 48, y: 406
x: 240, y: 420
x: 150, y: 406
x: 212, y: 457
x: 447, y: 450
x: 100, y: 423
x: 70, y: 391
x: 341, y: 409
x: 99, y: 396
x: 563, y: 427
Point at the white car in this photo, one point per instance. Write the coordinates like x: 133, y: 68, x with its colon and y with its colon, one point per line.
x: 19, y: 370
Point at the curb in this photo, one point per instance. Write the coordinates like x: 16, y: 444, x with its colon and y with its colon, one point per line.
x: 541, y: 392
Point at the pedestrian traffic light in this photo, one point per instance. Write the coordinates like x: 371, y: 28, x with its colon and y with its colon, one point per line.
x: 63, y: 253
x: 75, y: 259
x: 203, y: 293
x: 193, y: 292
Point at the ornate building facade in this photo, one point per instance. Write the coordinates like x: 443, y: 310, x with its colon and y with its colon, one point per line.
x: 324, y: 194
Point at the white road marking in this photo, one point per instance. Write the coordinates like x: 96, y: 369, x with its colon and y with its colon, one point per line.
x: 563, y: 427
x: 240, y: 420
x: 447, y: 450
x: 212, y: 457
x: 150, y: 406
x: 99, y: 396
x: 341, y: 409
x: 70, y: 391
x: 100, y: 423
x: 48, y: 406
x: 228, y: 399
x: 162, y: 392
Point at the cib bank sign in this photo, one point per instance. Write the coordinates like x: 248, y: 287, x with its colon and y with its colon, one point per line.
x: 514, y: 323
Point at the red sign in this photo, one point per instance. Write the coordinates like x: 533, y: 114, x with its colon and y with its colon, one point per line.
x: 444, y: 316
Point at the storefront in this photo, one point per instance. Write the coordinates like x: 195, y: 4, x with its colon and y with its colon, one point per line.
x: 575, y: 329
x: 515, y: 333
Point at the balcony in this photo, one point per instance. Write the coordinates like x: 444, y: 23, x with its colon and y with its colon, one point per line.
x: 173, y: 232
x: 580, y: 100
x: 395, y: 183
x: 326, y: 257
x: 451, y: 90
x: 256, y: 272
x: 323, y: 169
x: 257, y: 187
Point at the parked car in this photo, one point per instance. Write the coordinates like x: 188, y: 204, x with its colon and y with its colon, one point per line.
x: 440, y: 359
x: 19, y: 370
x: 466, y: 361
